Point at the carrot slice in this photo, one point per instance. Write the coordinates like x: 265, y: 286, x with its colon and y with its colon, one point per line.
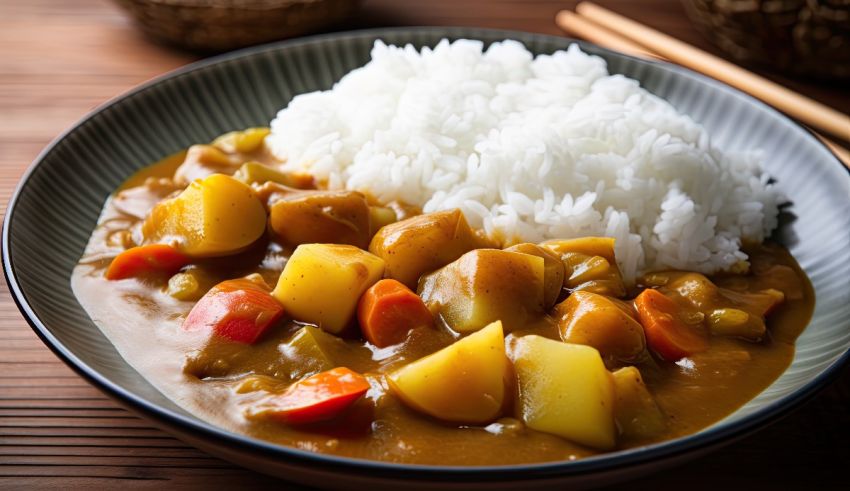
x: 316, y: 398
x: 145, y: 260
x: 239, y: 310
x: 388, y: 311
x: 666, y: 334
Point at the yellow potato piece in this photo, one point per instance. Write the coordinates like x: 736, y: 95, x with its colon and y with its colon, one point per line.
x: 321, y: 283
x: 463, y: 383
x: 636, y: 412
x: 486, y: 285
x: 564, y: 389
x: 589, y: 264
x: 553, y: 270
x: 602, y: 322
x: 423, y: 243
x: 215, y: 216
x: 589, y: 246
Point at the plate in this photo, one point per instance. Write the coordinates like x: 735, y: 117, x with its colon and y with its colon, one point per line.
x: 56, y: 206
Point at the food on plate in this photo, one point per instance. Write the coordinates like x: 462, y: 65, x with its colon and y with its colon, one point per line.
x: 214, y: 216
x: 146, y: 260
x: 322, y: 283
x: 388, y: 310
x: 533, y: 148
x: 607, y: 324
x: 239, y: 310
x: 565, y: 389
x: 318, y: 217
x: 423, y: 243
x: 635, y: 410
x: 589, y: 264
x: 463, y: 382
x: 484, y: 286
x: 316, y: 398
x: 553, y: 271
x: 454, y: 257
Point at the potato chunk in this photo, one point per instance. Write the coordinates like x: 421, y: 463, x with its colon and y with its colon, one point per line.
x: 635, y: 410
x: 602, y: 322
x: 486, y: 285
x: 216, y: 216
x: 463, y: 382
x: 423, y: 243
x: 590, y: 265
x: 325, y: 217
x: 321, y: 283
x: 553, y: 271
x: 693, y: 289
x: 587, y: 246
x: 564, y: 389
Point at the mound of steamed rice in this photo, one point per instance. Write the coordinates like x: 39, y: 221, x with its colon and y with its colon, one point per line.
x: 532, y: 149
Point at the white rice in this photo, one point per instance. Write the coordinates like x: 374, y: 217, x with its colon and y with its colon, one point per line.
x: 532, y: 149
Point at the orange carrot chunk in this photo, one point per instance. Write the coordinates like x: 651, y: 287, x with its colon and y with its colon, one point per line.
x: 145, y: 260
x: 316, y: 398
x: 388, y: 311
x: 239, y: 310
x: 666, y: 334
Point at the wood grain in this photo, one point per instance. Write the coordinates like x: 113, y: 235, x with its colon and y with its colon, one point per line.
x: 59, y: 59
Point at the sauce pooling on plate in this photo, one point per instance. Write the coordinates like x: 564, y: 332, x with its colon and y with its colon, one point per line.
x: 331, y: 322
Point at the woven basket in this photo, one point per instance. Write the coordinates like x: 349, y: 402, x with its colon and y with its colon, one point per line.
x: 809, y: 38
x: 221, y: 25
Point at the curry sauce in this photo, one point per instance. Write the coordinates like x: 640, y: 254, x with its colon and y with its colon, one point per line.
x: 216, y: 379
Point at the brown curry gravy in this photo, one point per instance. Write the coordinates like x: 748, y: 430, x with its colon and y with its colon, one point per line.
x: 143, y: 322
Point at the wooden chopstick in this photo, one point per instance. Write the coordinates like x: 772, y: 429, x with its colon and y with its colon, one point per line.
x: 582, y: 27
x: 804, y: 109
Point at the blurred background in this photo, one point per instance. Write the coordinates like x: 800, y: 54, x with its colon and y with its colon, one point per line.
x: 61, y: 58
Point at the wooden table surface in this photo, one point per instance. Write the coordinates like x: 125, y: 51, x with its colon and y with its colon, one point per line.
x: 58, y: 59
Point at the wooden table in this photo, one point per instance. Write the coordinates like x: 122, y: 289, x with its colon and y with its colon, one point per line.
x: 58, y: 59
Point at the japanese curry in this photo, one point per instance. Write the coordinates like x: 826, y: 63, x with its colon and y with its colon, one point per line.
x: 327, y: 321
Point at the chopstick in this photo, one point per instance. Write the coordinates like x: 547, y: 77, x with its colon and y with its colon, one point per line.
x: 580, y: 26
x: 809, y: 111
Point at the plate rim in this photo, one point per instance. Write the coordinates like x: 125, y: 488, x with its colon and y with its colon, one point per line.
x: 634, y: 457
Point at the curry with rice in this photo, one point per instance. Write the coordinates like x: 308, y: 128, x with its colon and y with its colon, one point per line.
x: 328, y: 321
